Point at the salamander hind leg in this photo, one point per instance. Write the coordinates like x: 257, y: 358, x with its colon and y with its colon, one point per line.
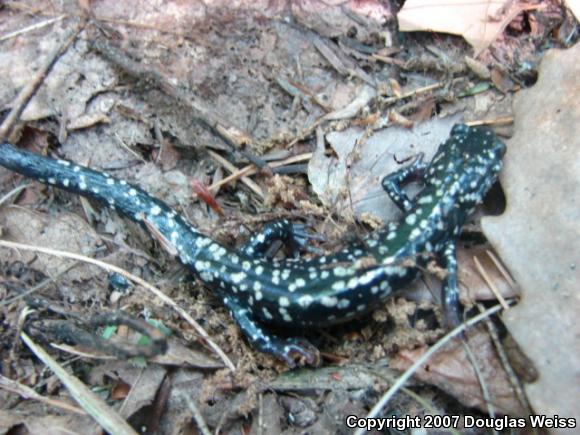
x: 291, y: 234
x: 393, y: 183
x: 287, y: 350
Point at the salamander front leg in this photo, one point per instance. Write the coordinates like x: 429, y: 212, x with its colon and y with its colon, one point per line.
x: 450, y: 288
x: 393, y: 183
x: 293, y: 235
x: 284, y: 349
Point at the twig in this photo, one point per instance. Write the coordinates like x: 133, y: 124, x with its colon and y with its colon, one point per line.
x: 232, y: 169
x: 260, y: 414
x: 31, y: 88
x: 423, y: 359
x: 501, y: 268
x: 480, y: 378
x: 111, y: 268
x: 412, y: 93
x: 122, y: 143
x: 306, y: 132
x: 197, y: 416
x: 513, y: 378
x: 13, y: 192
x: 86, y: 355
x: 89, y: 401
x: 32, y: 27
x: 505, y: 120
x: 490, y: 284
x: 251, y: 169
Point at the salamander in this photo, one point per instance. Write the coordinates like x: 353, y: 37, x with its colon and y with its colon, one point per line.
x: 322, y: 290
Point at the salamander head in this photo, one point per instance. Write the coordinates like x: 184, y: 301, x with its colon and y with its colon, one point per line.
x: 469, y: 161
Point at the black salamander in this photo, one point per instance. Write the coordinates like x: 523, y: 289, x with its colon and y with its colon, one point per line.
x: 323, y: 290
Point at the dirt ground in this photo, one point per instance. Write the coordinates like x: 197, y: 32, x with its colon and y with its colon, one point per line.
x: 239, y: 113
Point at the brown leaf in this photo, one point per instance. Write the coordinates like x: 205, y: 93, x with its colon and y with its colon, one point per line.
x: 479, y: 22
x: 451, y: 370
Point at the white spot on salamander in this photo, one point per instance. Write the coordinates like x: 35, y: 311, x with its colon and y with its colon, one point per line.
x: 329, y: 301
x: 339, y: 285
x: 305, y: 301
x: 267, y: 313
x: 238, y: 277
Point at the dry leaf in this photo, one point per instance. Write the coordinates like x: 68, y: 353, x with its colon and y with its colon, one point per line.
x: 452, y: 371
x: 479, y: 22
x: 537, y: 236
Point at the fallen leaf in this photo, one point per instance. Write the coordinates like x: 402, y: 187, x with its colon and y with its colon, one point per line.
x: 479, y: 22
x: 143, y: 383
x: 451, y: 370
x: 384, y: 152
x: 537, y: 236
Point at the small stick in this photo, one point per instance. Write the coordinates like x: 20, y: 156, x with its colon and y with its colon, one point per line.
x: 480, y: 378
x: 501, y: 268
x: 32, y: 27
x: 13, y: 192
x: 197, y: 415
x: 251, y: 169
x: 505, y: 120
x: 513, y: 378
x: 232, y: 169
x: 491, y: 285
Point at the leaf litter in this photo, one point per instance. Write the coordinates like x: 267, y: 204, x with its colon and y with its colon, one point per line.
x: 233, y: 61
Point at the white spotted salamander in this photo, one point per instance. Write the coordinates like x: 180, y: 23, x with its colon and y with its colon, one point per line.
x: 323, y: 290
